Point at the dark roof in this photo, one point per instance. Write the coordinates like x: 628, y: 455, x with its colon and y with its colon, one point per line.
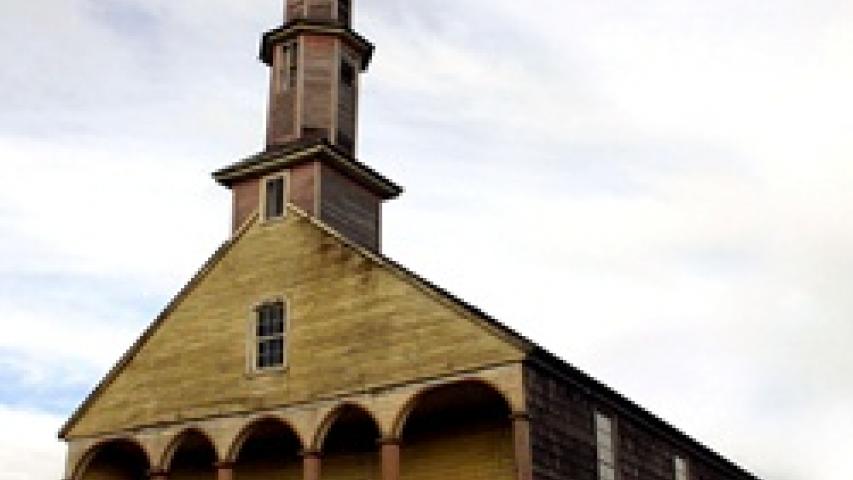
x: 316, y: 27
x: 305, y: 150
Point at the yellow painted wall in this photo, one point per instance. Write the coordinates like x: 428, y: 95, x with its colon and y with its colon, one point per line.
x: 354, y: 324
x: 269, y: 470
x: 192, y: 474
x: 482, y: 451
x: 352, y: 466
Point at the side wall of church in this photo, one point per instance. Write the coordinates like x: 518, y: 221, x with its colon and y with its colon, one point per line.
x: 563, y: 437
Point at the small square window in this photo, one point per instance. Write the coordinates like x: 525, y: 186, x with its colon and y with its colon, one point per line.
x: 274, y: 193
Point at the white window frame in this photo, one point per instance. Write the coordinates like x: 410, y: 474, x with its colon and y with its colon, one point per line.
x: 262, y: 208
x: 681, y: 467
x: 605, y: 445
x: 253, y: 340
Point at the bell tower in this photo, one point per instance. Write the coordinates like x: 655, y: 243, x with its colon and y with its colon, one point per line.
x: 315, y: 60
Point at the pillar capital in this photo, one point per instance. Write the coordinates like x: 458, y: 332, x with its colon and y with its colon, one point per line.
x: 158, y: 474
x: 311, y: 453
x: 388, y: 441
x: 520, y: 416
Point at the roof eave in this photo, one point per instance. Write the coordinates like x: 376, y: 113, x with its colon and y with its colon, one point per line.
x: 321, y: 150
x: 317, y: 27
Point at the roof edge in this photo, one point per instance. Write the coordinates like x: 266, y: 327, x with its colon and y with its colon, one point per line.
x: 152, y: 327
x: 319, y: 149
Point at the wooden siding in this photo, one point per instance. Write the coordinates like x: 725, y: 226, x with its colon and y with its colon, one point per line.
x: 303, y: 186
x: 350, y: 209
x: 320, y: 9
x: 354, y: 324
x: 317, y: 99
x: 281, y: 122
x: 563, y: 439
x: 245, y: 199
x: 347, y: 104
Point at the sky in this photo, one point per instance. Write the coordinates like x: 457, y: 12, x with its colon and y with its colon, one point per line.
x: 659, y: 192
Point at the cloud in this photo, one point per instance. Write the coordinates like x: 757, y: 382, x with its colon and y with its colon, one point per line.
x: 657, y: 191
x: 30, y: 451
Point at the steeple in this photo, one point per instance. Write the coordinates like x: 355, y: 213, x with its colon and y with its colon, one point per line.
x: 315, y: 61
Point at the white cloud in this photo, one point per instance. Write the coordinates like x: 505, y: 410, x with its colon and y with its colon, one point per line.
x: 28, y: 449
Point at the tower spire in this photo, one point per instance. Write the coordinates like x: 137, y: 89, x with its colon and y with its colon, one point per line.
x: 315, y: 61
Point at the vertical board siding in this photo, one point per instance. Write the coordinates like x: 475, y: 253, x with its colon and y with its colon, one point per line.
x: 302, y: 186
x: 350, y: 209
x: 246, y: 198
x: 317, y: 100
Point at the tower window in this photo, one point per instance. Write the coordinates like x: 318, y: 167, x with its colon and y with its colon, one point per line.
x: 680, y: 467
x: 344, y: 11
x: 293, y: 64
x: 605, y: 447
x: 347, y: 74
x: 289, y: 66
x: 274, y: 193
x: 269, y: 335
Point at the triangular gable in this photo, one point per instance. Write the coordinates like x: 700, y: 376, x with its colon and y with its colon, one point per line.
x: 411, y: 298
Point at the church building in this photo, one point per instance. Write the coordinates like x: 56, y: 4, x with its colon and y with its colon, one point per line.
x: 300, y: 351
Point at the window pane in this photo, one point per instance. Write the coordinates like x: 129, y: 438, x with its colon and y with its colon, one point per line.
x: 277, y: 352
x: 271, y: 353
x: 262, y: 355
x: 275, y: 197
x: 294, y: 64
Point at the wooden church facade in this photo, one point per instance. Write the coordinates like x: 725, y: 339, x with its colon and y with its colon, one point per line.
x: 299, y: 351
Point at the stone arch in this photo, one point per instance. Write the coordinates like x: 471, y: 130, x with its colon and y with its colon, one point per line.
x: 139, y: 456
x: 462, y: 426
x: 246, y: 431
x: 332, y: 416
x: 267, y: 447
x: 399, y: 422
x: 348, y: 440
x: 179, y: 439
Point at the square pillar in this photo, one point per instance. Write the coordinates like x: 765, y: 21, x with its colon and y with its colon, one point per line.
x: 157, y: 474
x: 390, y: 452
x: 521, y: 446
x: 311, y: 465
x: 224, y: 471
